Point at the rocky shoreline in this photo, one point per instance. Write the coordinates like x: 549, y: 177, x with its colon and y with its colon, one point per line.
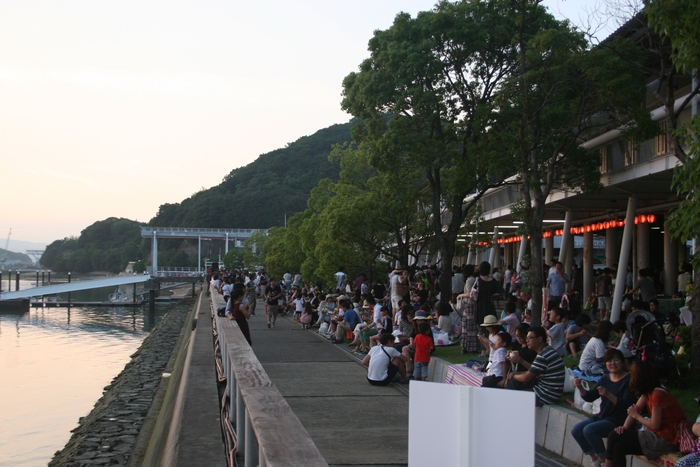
x: 109, y: 433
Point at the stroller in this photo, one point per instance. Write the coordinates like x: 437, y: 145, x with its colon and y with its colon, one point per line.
x: 648, y: 343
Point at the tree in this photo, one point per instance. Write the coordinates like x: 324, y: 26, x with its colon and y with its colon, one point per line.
x: 234, y: 259
x: 254, y: 250
x: 365, y: 220
x: 677, y: 22
x: 562, y: 93
x: 435, y: 78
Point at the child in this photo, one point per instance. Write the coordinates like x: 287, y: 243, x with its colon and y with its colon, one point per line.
x: 498, y: 365
x: 306, y: 315
x: 493, y: 327
x: 298, y: 306
x: 424, y: 346
x: 557, y: 333
x: 511, y: 319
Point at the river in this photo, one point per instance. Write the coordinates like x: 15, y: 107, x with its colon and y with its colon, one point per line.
x: 54, y: 364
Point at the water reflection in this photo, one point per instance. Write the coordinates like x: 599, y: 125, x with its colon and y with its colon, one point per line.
x: 53, y: 368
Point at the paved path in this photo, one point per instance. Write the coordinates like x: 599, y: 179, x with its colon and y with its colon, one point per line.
x: 351, y: 422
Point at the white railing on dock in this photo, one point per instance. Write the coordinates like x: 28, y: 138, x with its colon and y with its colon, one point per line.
x: 267, y: 430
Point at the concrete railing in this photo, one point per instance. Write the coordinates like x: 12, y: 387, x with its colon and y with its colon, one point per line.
x: 268, y: 432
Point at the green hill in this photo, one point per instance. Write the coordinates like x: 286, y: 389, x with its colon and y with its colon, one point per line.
x: 11, y: 258
x: 258, y: 195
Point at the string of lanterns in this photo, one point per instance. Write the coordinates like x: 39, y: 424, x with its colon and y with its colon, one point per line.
x: 594, y: 227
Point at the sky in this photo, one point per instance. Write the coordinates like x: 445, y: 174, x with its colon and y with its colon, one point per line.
x: 110, y: 109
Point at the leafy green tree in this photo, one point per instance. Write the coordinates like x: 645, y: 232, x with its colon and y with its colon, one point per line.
x: 677, y: 22
x: 437, y: 76
x: 234, y: 259
x: 254, y: 250
x: 562, y: 92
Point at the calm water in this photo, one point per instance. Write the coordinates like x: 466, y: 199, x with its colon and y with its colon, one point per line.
x: 54, y: 364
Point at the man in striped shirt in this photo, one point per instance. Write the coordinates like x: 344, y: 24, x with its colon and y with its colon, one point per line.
x: 546, y: 374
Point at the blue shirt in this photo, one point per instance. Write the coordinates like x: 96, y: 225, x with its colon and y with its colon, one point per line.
x: 350, y: 317
x: 557, y: 286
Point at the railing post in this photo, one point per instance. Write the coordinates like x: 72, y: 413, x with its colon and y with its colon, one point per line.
x: 252, y: 453
x: 242, y: 423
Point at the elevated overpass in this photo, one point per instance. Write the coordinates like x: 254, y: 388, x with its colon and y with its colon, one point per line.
x: 238, y: 236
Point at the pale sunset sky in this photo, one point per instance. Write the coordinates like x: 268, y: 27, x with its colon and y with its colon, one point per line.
x: 112, y: 108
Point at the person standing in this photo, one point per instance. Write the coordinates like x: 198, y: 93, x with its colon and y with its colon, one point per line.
x: 273, y: 294
x: 236, y: 310
x: 604, y: 292
x: 340, y: 280
x: 556, y: 283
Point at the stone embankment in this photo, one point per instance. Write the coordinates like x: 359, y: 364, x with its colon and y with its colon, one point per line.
x: 110, y: 433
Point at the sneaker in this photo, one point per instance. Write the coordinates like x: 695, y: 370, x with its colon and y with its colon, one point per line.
x: 273, y: 325
x: 268, y: 325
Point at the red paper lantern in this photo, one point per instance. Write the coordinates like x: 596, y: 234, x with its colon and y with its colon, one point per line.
x: 651, y: 218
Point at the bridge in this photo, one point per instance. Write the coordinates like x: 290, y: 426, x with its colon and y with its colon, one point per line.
x: 238, y: 236
x: 75, y: 286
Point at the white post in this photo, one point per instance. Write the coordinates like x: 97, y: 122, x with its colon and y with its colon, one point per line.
x: 226, y: 252
x: 494, y: 246
x: 624, y: 258
x: 155, y: 253
x: 548, y: 249
x: 564, y: 251
x: 199, y: 253
x: 521, y: 253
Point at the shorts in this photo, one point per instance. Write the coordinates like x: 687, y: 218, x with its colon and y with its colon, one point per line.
x: 392, y: 371
x: 604, y: 303
x: 272, y: 310
x: 420, y: 369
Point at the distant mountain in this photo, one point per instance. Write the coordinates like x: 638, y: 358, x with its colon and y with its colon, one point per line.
x: 10, y: 258
x: 258, y: 195
x: 20, y: 246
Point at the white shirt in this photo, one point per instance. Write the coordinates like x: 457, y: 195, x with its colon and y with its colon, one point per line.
x: 379, y: 362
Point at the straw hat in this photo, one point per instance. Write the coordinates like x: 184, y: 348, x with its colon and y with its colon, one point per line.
x: 490, y: 320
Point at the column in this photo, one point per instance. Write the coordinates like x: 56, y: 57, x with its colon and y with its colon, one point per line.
x: 548, y: 249
x: 569, y: 260
x: 495, y: 250
x: 670, y: 262
x: 226, y: 248
x: 565, y: 251
x: 154, y: 245
x: 643, y: 229
x: 521, y: 253
x: 199, y: 253
x: 610, y: 247
x: 587, y: 265
x: 624, y: 258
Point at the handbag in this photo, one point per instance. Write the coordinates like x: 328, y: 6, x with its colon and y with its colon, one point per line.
x: 686, y: 439
x: 401, y: 289
x: 474, y: 293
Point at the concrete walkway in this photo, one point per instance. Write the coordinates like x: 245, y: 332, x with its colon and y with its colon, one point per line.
x: 351, y: 422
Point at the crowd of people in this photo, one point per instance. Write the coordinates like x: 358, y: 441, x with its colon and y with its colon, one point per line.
x: 393, y: 324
